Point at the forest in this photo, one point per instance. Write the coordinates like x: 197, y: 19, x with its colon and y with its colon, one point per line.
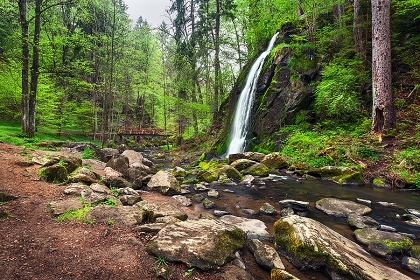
x: 81, y: 67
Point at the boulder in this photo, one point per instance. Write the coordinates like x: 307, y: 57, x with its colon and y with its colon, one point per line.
x: 56, y: 173
x: 280, y: 274
x: 294, y: 204
x: 206, y: 244
x: 119, y: 163
x: 165, y: 183
x: 107, y: 153
x: 308, y: 244
x: 128, y: 196
x: 257, y: 169
x: 207, y: 176
x: 274, y: 161
x: 268, y: 209
x: 75, y: 188
x: 179, y: 172
x: 265, y: 255
x: 184, y: 201
x: 113, y: 178
x: 127, y: 215
x: 62, y: 206
x: 84, y: 175
x: 155, y: 210
x: 358, y: 221
x: 233, y: 272
x: 253, y: 228
x: 411, y: 264
x: 208, y: 204
x: 71, y: 163
x: 232, y: 173
x: 254, y: 156
x: 341, y: 208
x: 96, y: 193
x: 242, y: 164
x: 383, y: 243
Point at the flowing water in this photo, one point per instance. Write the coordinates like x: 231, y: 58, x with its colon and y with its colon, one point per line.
x: 287, y: 187
x: 244, y: 105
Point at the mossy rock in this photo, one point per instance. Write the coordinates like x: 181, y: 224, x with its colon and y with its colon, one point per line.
x: 56, y: 173
x: 280, y: 274
x: 415, y: 251
x: 258, y: 169
x: 380, y: 183
x: 354, y: 178
x: 383, y: 242
x: 303, y: 255
x: 69, y: 162
x: 232, y: 173
x: 242, y: 164
x: 207, y: 176
x: 274, y: 161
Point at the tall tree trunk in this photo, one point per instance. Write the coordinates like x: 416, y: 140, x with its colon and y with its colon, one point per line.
x: 383, y: 116
x: 217, y: 86
x: 25, y: 64
x: 34, y: 70
x: 359, y: 43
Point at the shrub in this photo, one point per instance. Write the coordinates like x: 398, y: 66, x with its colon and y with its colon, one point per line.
x: 338, y: 95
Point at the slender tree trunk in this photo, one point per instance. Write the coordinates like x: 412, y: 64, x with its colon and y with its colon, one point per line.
x: 217, y: 86
x: 25, y: 64
x: 359, y: 43
x: 34, y: 70
x: 383, y: 116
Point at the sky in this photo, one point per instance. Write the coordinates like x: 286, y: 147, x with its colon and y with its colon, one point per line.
x: 154, y: 11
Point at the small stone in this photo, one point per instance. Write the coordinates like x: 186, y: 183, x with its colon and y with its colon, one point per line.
x: 249, y: 212
x: 364, y: 201
x: 219, y: 213
x: 184, y: 201
x: 387, y: 228
x: 197, y: 198
x: 208, y: 204
x: 268, y: 209
x: 213, y: 193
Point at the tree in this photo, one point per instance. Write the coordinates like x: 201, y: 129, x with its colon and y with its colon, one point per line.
x: 383, y: 113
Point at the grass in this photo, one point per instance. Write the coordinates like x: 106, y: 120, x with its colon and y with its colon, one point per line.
x: 78, y: 215
x: 10, y: 132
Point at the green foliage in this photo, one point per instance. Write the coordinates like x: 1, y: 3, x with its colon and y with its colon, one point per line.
x: 338, y: 95
x: 407, y: 165
x: 189, y: 272
x: 87, y: 153
x: 109, y: 202
x: 206, y: 165
x: 78, y: 215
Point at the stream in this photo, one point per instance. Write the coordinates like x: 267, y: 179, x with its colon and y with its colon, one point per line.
x: 277, y: 188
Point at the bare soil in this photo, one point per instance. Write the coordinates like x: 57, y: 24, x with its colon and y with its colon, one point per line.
x: 35, y: 246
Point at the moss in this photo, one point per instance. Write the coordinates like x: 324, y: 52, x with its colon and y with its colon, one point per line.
x: 284, y: 236
x: 207, y: 176
x: 229, y: 241
x: 396, y: 245
x: 415, y: 251
x: 354, y: 178
x: 78, y: 215
x: 380, y: 182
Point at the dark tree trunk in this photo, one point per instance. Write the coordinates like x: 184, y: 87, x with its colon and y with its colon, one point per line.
x: 217, y: 86
x: 25, y: 64
x: 34, y: 71
x: 384, y: 116
x: 359, y: 43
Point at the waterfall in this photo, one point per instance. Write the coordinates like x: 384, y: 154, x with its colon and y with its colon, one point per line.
x: 244, y: 105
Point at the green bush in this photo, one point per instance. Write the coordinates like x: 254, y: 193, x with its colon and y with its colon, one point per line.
x: 338, y: 94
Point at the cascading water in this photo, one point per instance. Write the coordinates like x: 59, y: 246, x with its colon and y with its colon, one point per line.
x: 246, y: 99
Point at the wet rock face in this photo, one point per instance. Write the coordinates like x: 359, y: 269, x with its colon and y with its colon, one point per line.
x: 204, y: 243
x: 341, y: 208
x: 310, y: 244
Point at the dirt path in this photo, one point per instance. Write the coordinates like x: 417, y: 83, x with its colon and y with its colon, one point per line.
x: 34, y: 246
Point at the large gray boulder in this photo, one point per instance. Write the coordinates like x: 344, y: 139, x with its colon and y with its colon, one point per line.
x: 274, y: 161
x: 206, y: 244
x: 97, y: 193
x: 265, y: 255
x: 383, y: 243
x: 254, y: 229
x: 341, y: 208
x: 165, y: 183
x: 62, y: 206
x: 242, y: 164
x: 127, y: 215
x: 115, y: 179
x: 155, y: 209
x: 307, y: 243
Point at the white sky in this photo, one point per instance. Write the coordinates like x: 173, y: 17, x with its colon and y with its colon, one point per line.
x: 154, y: 11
